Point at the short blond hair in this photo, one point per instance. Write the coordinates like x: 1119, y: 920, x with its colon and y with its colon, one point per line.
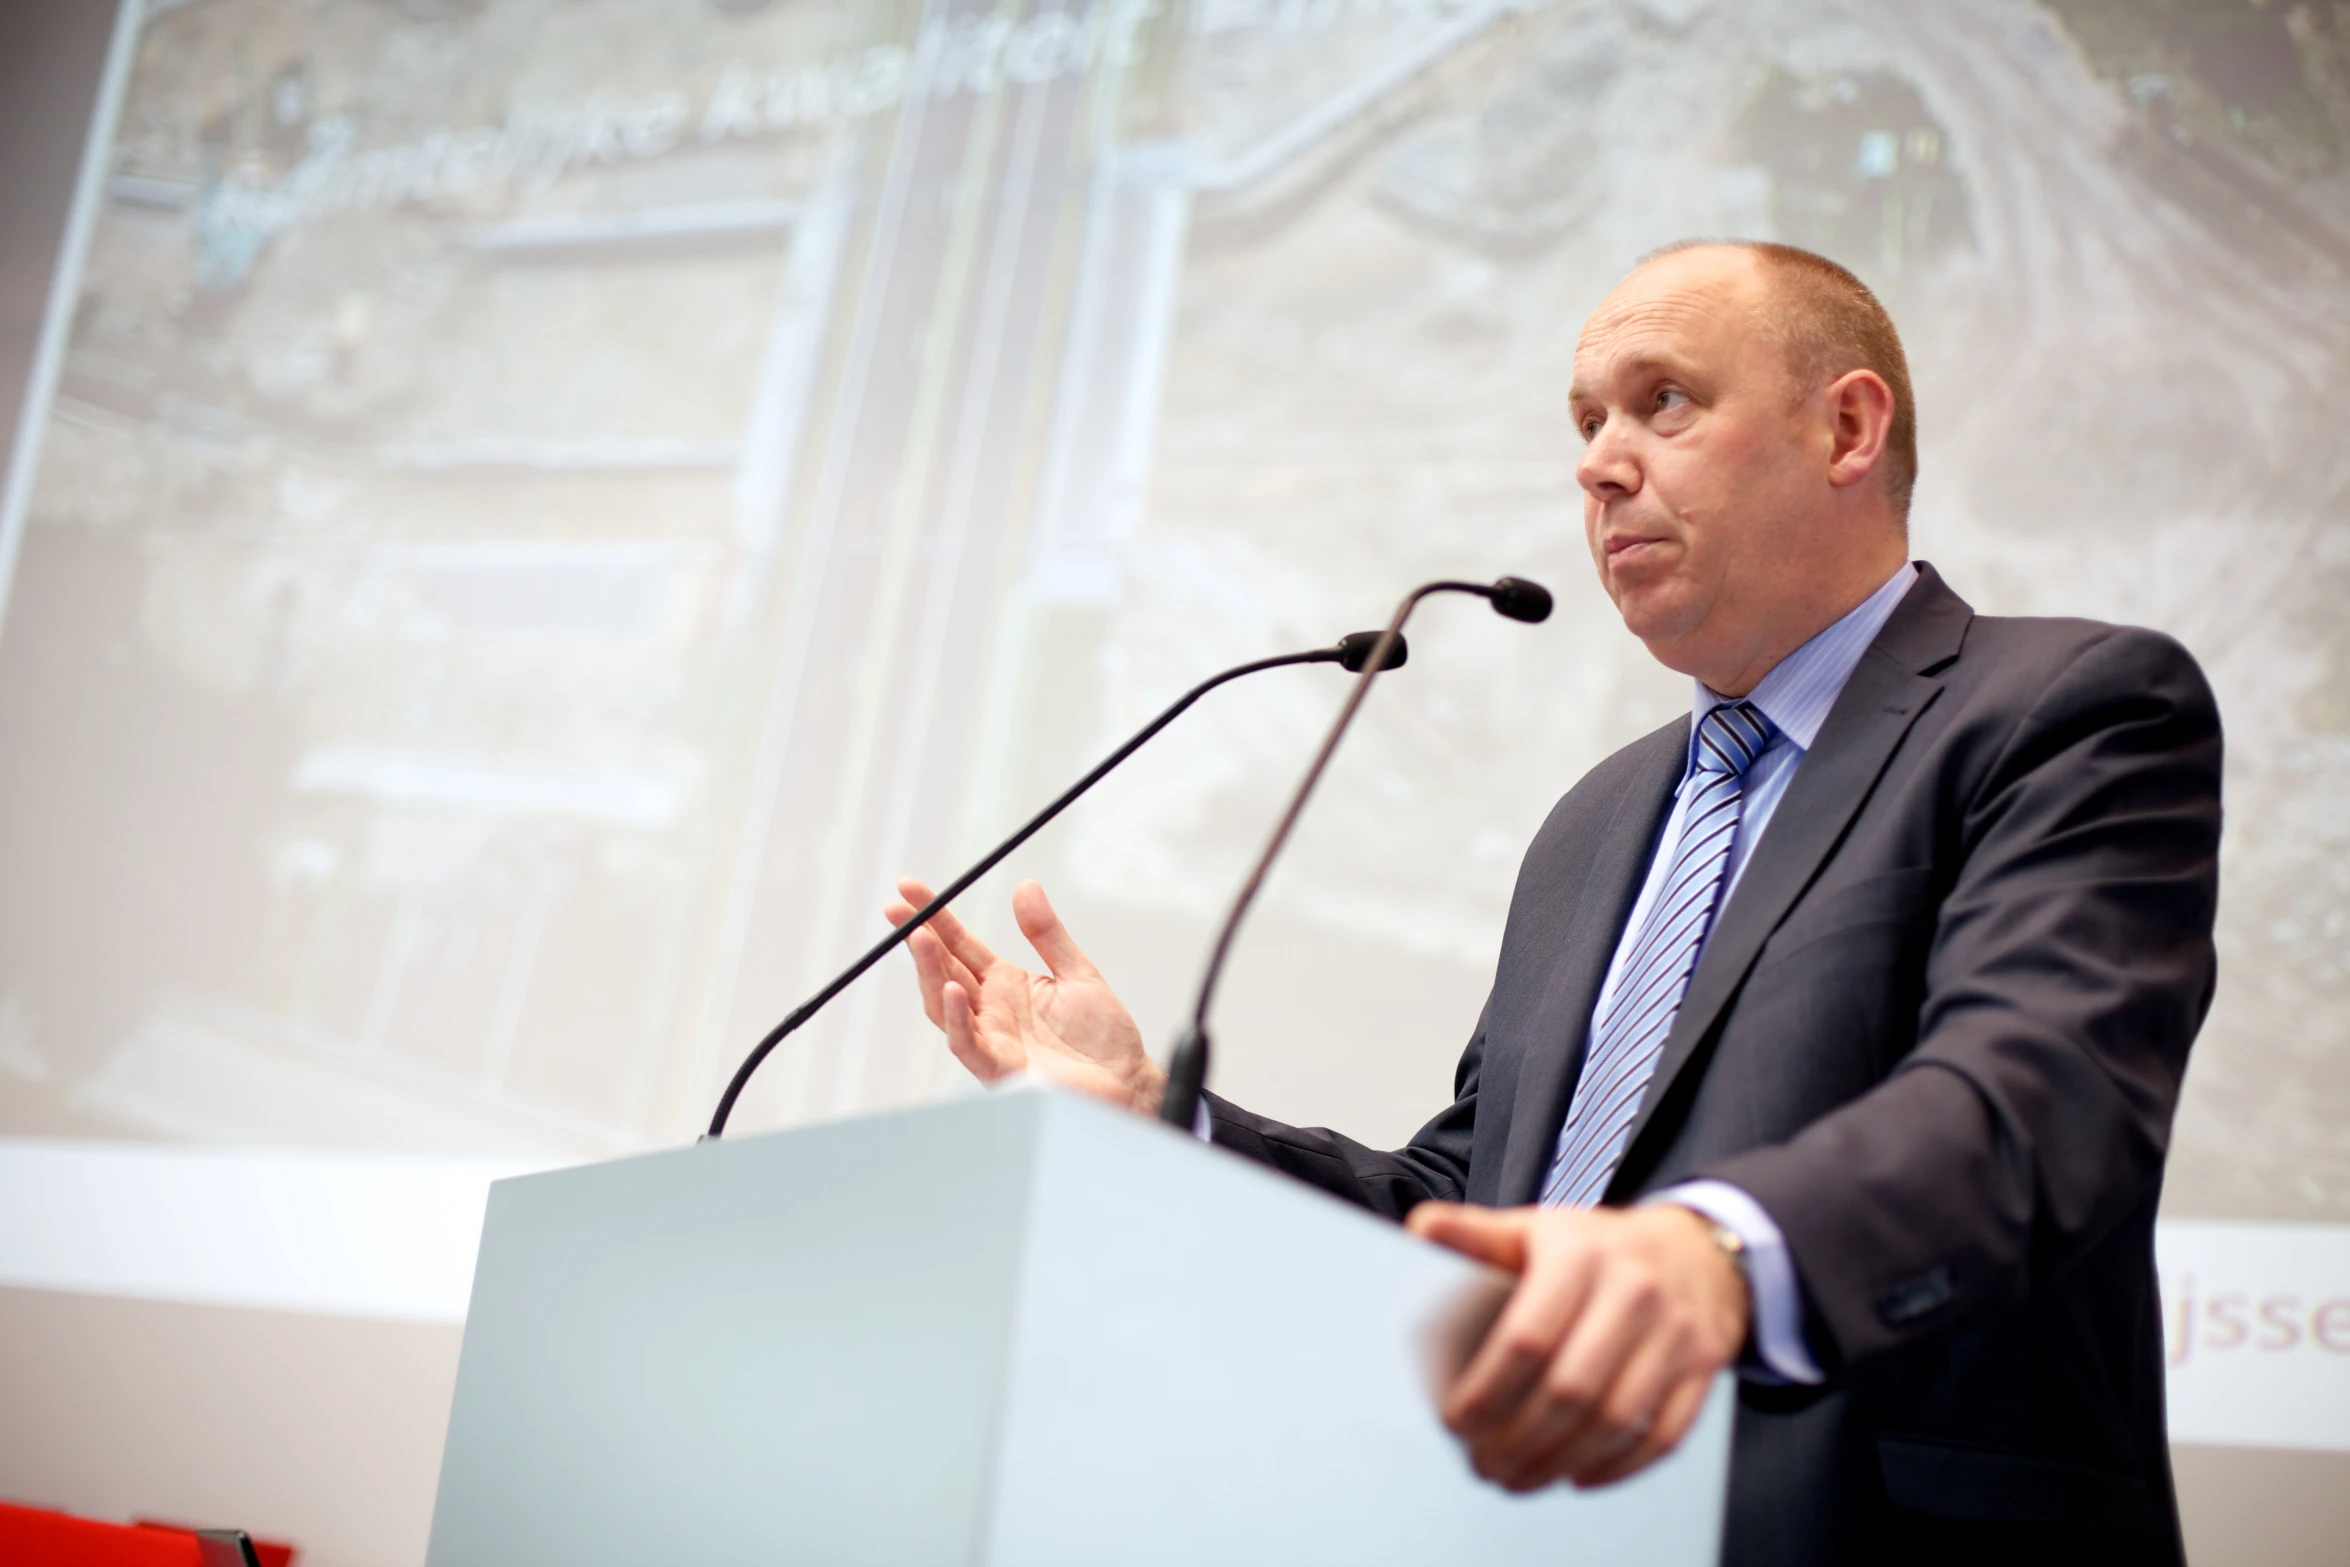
x: 1830, y: 323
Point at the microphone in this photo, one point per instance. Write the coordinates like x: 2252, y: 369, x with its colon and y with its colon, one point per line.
x: 1519, y: 599
x: 1187, y: 1070
x: 1356, y: 652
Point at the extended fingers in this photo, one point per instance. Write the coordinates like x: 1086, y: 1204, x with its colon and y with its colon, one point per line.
x: 935, y: 968
x: 963, y: 1037
x: 968, y: 949
x: 1048, y: 935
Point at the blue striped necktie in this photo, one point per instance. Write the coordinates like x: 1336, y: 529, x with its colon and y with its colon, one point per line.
x: 1630, y: 1035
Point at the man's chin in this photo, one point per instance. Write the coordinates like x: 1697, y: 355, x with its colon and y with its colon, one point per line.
x: 1660, y: 615
x: 1672, y: 641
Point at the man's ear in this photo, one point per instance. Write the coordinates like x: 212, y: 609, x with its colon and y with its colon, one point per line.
x: 1860, y: 419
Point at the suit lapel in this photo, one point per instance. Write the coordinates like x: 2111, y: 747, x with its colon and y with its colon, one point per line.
x: 1880, y: 702
x: 1551, y: 1043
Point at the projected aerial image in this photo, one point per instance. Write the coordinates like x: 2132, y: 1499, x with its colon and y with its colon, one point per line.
x: 549, y: 508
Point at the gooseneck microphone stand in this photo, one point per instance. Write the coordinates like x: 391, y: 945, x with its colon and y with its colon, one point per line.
x: 1187, y: 1069
x: 1357, y: 652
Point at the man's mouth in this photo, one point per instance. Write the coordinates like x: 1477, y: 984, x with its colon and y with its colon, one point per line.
x: 1625, y: 548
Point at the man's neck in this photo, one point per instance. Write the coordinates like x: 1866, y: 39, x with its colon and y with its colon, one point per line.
x: 1734, y: 681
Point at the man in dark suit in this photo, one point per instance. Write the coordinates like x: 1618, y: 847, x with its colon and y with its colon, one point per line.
x: 1837, y: 1029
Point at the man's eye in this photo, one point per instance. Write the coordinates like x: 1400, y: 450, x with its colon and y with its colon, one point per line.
x: 1670, y: 397
x: 1589, y: 426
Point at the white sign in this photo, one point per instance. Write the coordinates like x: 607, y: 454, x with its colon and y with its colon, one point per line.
x: 2256, y: 1323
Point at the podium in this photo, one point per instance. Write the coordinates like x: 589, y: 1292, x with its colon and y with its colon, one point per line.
x: 1023, y: 1330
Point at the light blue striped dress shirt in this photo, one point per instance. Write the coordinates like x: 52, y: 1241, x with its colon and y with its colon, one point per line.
x: 1795, y: 696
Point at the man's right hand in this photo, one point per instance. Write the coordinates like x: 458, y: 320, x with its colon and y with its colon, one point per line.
x: 999, y: 1018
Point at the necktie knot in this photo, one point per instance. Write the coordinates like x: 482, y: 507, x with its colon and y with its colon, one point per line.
x: 1731, y: 736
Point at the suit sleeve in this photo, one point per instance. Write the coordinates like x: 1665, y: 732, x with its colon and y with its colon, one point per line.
x: 1435, y: 1163
x: 2070, y: 968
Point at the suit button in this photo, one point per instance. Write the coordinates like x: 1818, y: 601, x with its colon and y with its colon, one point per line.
x: 1922, y: 1296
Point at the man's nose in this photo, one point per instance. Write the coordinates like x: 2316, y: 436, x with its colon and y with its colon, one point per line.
x: 1608, y: 471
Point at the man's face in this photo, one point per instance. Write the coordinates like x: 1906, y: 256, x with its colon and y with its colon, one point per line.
x: 1701, y: 470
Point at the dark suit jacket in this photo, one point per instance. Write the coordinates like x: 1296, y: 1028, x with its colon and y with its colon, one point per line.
x: 1938, y: 1033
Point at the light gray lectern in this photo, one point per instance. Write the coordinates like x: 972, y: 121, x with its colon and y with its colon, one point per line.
x: 1018, y: 1331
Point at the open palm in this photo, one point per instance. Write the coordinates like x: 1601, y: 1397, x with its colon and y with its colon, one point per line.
x: 999, y: 1018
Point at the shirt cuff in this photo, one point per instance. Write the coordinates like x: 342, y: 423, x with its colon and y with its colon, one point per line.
x: 1778, y: 1298
x: 1203, y: 1125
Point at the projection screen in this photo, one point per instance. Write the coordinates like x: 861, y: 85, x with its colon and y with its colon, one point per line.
x: 546, y: 509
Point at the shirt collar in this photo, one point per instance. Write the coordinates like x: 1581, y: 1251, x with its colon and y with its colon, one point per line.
x: 1797, y: 693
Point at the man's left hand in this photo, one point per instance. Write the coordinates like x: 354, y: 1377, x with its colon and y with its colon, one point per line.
x: 1603, y: 1355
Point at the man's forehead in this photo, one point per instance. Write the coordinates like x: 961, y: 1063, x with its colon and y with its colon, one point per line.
x: 1679, y: 309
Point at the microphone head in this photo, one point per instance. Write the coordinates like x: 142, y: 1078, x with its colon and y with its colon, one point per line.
x: 1354, y: 649
x: 1520, y: 599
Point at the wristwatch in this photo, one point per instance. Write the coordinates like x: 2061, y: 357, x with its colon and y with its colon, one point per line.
x: 1733, y: 1247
